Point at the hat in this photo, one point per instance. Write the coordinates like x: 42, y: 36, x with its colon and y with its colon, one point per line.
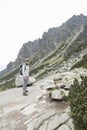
x: 26, y: 59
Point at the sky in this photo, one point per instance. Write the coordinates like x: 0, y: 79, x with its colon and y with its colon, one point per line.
x: 26, y: 20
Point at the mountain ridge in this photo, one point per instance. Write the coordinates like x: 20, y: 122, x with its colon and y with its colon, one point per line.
x: 50, y: 40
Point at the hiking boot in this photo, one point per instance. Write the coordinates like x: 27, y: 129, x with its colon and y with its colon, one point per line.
x: 25, y: 94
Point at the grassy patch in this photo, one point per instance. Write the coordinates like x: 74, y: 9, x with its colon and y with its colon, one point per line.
x: 76, y: 48
x: 8, y: 85
x: 9, y: 75
x: 81, y: 63
x: 40, y: 74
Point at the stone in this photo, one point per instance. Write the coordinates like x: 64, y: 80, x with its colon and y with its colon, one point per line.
x: 47, y: 84
x: 44, y: 126
x: 53, y: 122
x: 64, y: 127
x: 56, y: 94
x: 68, y: 109
x: 42, y: 95
x: 67, y: 88
x: 64, y: 117
x: 19, y: 80
x: 43, y: 118
x: 62, y: 86
x: 57, y: 77
x: 68, y: 74
x: 71, y: 124
x: 29, y: 109
x: 57, y: 121
x: 32, y: 124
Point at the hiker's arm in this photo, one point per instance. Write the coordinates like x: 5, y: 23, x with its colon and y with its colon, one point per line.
x: 23, y: 70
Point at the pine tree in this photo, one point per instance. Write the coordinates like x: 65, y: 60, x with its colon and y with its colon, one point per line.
x: 78, y: 102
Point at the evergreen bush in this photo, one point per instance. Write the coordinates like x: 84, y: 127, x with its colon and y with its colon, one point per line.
x: 78, y: 102
x: 81, y: 63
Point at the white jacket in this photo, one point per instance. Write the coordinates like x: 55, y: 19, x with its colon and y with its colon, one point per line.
x: 25, y: 70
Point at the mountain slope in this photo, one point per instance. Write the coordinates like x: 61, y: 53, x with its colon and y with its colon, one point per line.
x: 50, y: 41
x: 59, y: 48
x: 79, y: 43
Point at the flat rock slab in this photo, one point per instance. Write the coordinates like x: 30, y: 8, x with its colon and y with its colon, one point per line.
x: 18, y: 112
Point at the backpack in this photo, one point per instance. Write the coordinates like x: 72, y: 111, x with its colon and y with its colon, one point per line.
x: 21, y: 69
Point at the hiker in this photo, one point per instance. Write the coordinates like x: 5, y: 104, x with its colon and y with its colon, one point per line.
x: 25, y: 73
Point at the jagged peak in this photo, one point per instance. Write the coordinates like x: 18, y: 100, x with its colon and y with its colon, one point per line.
x: 50, y: 39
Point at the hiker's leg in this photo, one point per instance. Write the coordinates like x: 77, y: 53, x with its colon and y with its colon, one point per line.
x: 25, y: 83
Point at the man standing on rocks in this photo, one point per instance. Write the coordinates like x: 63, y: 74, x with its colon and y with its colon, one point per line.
x: 25, y: 73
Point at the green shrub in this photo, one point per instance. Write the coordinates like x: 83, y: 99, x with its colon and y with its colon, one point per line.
x: 78, y: 102
x: 8, y: 85
x: 81, y: 63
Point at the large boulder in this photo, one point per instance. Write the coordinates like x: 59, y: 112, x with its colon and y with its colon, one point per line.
x: 19, y: 80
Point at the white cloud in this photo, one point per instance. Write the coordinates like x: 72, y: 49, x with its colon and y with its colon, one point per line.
x: 24, y: 20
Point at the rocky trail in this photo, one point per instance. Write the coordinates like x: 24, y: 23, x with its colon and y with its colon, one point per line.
x: 32, y: 112
x: 43, y: 108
